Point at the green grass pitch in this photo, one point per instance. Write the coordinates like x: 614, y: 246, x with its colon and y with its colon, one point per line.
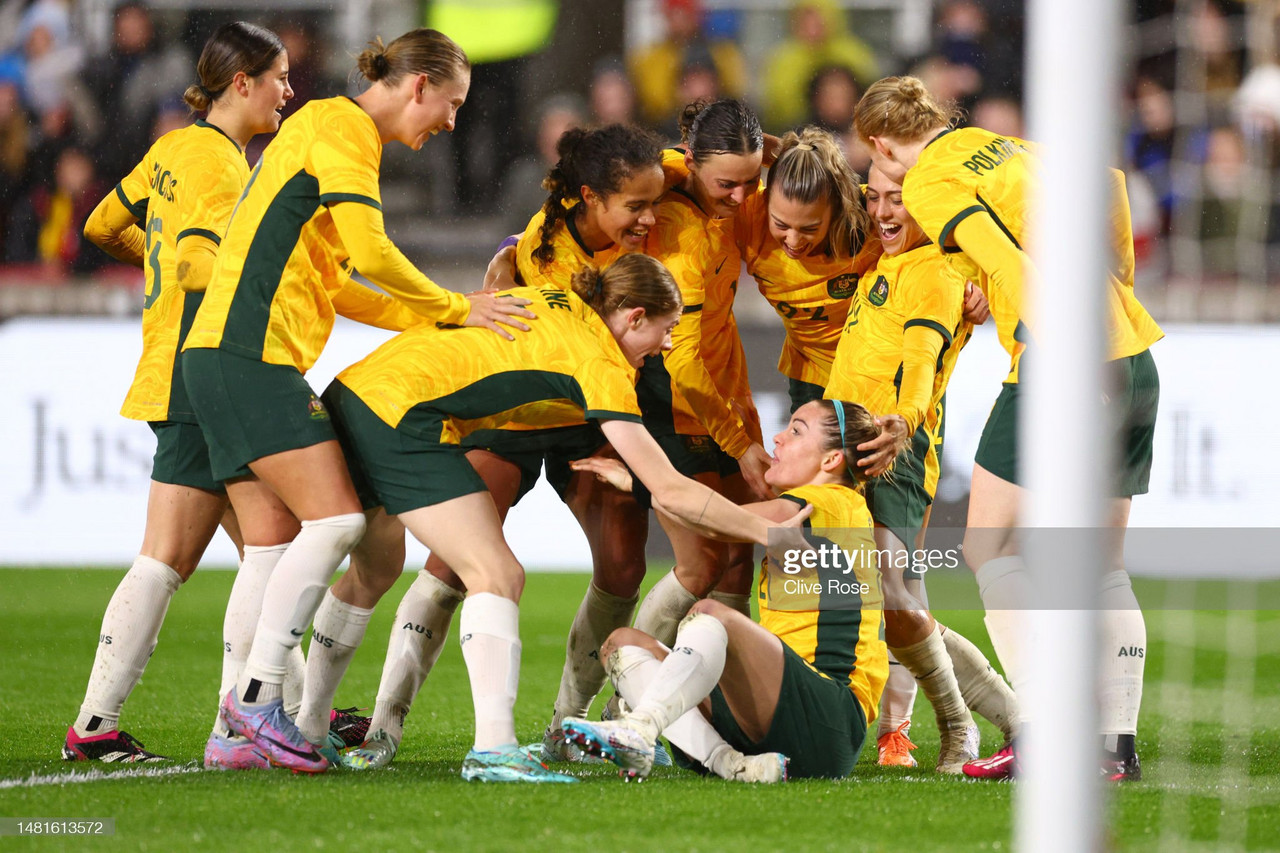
x: 1210, y: 744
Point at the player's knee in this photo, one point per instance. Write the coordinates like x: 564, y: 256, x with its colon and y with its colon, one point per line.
x: 626, y: 637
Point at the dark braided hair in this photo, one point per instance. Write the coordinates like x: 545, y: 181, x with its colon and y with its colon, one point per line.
x: 601, y: 159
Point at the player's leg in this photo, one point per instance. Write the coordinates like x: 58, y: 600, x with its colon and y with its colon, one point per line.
x: 181, y: 521
x: 466, y: 532
x: 700, y: 562
x: 735, y: 586
x: 715, y: 645
x: 340, y: 622
x: 314, y: 484
x: 423, y: 617
x: 916, y: 643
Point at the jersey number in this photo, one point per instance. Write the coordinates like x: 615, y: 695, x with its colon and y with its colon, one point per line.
x: 153, y: 260
x: 789, y: 311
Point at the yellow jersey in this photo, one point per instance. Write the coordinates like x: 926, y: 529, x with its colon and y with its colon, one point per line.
x: 811, y: 294
x: 841, y: 643
x: 186, y: 185
x: 971, y: 170
x: 570, y: 254
x: 913, y: 288
x: 567, y: 366
x: 704, y: 390
x: 282, y: 259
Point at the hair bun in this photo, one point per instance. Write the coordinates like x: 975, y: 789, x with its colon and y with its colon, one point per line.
x: 380, y: 64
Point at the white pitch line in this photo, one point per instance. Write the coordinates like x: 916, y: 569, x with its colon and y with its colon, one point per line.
x: 73, y: 778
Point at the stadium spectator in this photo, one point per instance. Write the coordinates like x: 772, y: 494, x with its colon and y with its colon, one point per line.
x: 129, y: 81
x: 819, y: 37
x: 663, y: 72
x: 999, y: 114
x: 610, y: 94
x: 45, y: 228
x: 16, y: 135
x: 522, y: 187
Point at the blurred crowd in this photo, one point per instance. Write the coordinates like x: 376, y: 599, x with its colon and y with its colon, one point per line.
x: 73, y: 121
x: 1201, y: 110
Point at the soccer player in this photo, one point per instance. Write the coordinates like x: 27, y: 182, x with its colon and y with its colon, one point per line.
x: 799, y: 236
x: 695, y: 397
x: 968, y: 190
x: 309, y: 214
x: 400, y: 411
x: 167, y: 216
x: 601, y: 199
x: 793, y: 694
x: 898, y: 350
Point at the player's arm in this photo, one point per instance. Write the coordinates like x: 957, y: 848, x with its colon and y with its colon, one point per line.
x: 986, y: 244
x: 616, y: 474
x: 194, y: 261
x: 113, y: 228
x: 696, y: 506
x: 357, y: 302
x: 364, y: 234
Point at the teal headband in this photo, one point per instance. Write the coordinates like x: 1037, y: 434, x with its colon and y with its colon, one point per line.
x: 839, y: 407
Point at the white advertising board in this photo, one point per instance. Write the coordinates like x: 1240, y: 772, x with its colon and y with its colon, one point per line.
x: 74, y: 474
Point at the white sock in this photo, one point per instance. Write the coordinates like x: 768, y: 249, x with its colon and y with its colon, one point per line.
x: 130, y: 629
x: 686, y: 677
x: 663, y: 608
x: 898, y: 699
x: 490, y: 629
x: 417, y: 638
x: 293, y: 594
x: 1124, y: 655
x: 337, y: 633
x: 984, y: 691
x: 739, y: 601
x: 928, y: 662
x: 599, y: 615
x: 1006, y: 595
x: 631, y: 670
x: 244, y: 607
x: 295, y: 671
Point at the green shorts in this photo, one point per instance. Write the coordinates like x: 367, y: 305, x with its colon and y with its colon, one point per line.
x: 540, y: 450
x: 391, y: 468
x: 697, y: 454
x: 817, y: 723
x: 898, y: 499
x: 1130, y: 409
x: 182, y: 457
x: 803, y: 392
x: 249, y: 409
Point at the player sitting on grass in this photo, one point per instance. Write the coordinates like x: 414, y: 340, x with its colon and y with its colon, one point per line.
x: 791, y: 695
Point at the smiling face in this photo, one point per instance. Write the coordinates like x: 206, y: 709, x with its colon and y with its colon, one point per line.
x: 722, y: 182
x: 800, y: 228
x: 894, y: 226
x: 798, y: 455
x: 640, y: 335
x: 624, y: 218
x: 433, y: 107
x: 268, y: 93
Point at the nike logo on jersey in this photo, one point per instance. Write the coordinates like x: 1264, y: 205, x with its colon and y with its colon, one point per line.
x: 297, y: 633
x: 718, y: 268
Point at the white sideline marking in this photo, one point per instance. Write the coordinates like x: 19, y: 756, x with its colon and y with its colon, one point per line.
x: 73, y: 778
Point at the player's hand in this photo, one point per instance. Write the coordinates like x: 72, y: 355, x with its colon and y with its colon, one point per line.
x: 607, y: 470
x: 976, y: 309
x: 488, y: 310
x: 884, y: 448
x: 753, y: 464
x: 501, y: 272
